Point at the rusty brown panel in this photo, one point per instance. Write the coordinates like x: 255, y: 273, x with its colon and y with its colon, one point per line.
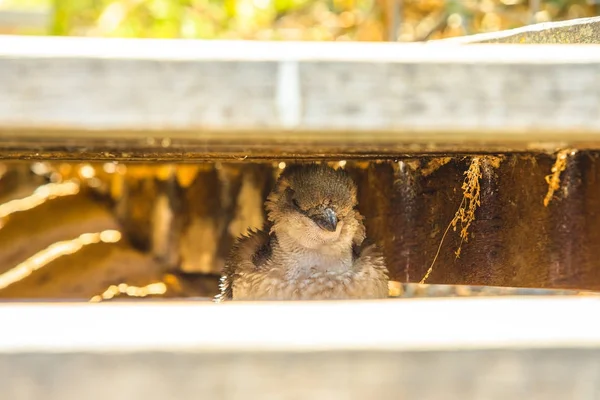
x: 483, y: 255
x: 514, y: 240
x: 410, y: 203
x: 406, y: 211
x: 374, y: 202
x: 407, y: 205
x: 544, y: 246
x: 575, y: 222
x: 591, y: 204
x: 405, y: 243
x: 509, y: 242
x: 436, y: 196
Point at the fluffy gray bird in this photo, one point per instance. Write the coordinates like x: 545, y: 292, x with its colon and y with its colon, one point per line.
x: 312, y: 246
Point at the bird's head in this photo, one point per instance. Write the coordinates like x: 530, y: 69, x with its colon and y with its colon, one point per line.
x: 314, y: 205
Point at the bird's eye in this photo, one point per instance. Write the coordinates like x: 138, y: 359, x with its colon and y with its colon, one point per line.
x: 296, y: 204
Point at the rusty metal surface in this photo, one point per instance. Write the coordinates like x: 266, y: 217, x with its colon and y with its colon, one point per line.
x: 514, y: 240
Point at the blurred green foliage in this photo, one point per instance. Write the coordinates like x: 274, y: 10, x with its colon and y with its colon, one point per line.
x: 296, y: 19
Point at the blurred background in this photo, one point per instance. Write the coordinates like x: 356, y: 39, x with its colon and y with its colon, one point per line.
x: 358, y: 20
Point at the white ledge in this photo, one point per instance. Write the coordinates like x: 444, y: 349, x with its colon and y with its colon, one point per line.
x: 391, y: 325
x: 263, y: 99
x: 252, y: 51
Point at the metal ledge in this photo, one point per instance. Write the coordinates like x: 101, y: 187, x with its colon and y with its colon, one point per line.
x: 75, y: 98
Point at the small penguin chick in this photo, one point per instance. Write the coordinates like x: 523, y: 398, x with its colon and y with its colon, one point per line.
x: 312, y: 246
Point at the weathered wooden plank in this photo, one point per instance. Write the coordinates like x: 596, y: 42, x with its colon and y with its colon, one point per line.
x: 576, y: 31
x: 542, y: 348
x: 194, y: 100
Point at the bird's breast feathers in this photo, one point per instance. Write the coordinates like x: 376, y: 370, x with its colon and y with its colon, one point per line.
x: 316, y: 285
x: 306, y: 276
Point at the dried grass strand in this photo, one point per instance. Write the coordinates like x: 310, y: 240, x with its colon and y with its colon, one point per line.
x: 465, y: 215
x: 553, y: 180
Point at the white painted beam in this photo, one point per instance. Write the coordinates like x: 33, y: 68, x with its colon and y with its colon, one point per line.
x: 453, y: 349
x: 478, y: 323
x: 259, y: 99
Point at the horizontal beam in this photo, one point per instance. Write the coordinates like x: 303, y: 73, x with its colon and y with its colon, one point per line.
x: 74, y: 98
x: 478, y: 323
x: 452, y: 349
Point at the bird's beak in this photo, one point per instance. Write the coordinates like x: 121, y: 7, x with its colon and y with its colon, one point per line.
x: 326, y: 220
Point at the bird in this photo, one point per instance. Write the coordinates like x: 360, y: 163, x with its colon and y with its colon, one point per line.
x: 312, y: 246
